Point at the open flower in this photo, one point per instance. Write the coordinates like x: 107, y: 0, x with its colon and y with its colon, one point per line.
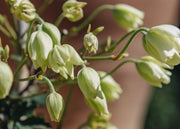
x: 6, y: 79
x: 62, y: 59
x: 153, y: 71
x: 72, y: 10
x: 127, y: 16
x: 40, y: 44
x: 23, y: 10
x: 55, y: 106
x: 163, y: 43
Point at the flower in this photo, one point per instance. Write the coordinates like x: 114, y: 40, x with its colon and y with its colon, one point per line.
x: 98, y: 105
x: 72, y: 10
x: 39, y: 46
x: 163, y: 43
x: 110, y: 87
x: 6, y: 79
x: 23, y: 10
x: 55, y: 106
x: 62, y: 58
x: 52, y: 31
x: 153, y: 71
x: 127, y: 16
x: 89, y: 83
x: 91, y: 42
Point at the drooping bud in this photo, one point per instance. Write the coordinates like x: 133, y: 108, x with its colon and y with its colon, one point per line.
x: 91, y: 42
x: 23, y: 10
x: 89, y: 83
x: 127, y: 16
x: 153, y: 71
x: 62, y: 58
x: 163, y: 43
x: 40, y: 44
x: 55, y: 106
x: 53, y: 32
x: 98, y: 105
x: 110, y: 87
x: 72, y: 10
x: 6, y: 79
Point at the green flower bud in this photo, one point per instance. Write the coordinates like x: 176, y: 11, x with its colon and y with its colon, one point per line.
x: 91, y: 42
x: 6, y: 79
x: 40, y: 44
x: 98, y: 105
x: 127, y: 16
x: 72, y: 10
x: 163, y: 43
x: 153, y: 71
x: 89, y: 83
x: 110, y: 87
x: 23, y: 10
x: 55, y: 106
x: 53, y: 32
x: 62, y: 58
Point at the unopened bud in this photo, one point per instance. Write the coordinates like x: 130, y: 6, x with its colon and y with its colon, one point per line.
x: 91, y: 42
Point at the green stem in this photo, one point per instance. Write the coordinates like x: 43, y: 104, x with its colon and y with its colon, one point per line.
x: 118, y: 66
x: 43, y: 7
x: 89, y: 19
x: 130, y: 40
x: 27, y: 79
x: 51, y: 87
x: 21, y: 64
x: 66, y: 106
x: 59, y: 19
x: 5, y: 32
x: 98, y: 58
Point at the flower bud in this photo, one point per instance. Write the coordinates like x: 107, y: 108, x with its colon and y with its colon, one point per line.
x: 127, y: 16
x: 55, y: 106
x: 40, y: 44
x: 163, y: 43
x: 153, y: 71
x: 110, y: 87
x: 89, y: 83
x: 53, y: 32
x: 6, y: 79
x: 62, y: 58
x: 72, y: 10
x: 98, y: 105
x: 91, y: 42
x: 23, y: 10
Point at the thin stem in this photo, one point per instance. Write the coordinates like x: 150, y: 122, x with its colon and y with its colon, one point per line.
x: 98, y: 58
x: 51, y: 87
x: 21, y: 64
x: 118, y: 66
x: 66, y: 106
x: 89, y: 19
x: 43, y: 6
x: 130, y: 40
x: 59, y: 19
x: 27, y: 79
x: 5, y: 32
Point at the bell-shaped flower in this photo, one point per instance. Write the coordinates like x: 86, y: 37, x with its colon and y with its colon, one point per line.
x: 39, y: 46
x: 98, y: 105
x: 53, y: 32
x: 163, y: 43
x: 127, y: 16
x: 110, y: 87
x: 72, y: 10
x: 153, y: 71
x: 89, y: 83
x: 91, y: 42
x: 23, y: 10
x: 55, y: 106
x: 62, y: 60
x: 6, y: 79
